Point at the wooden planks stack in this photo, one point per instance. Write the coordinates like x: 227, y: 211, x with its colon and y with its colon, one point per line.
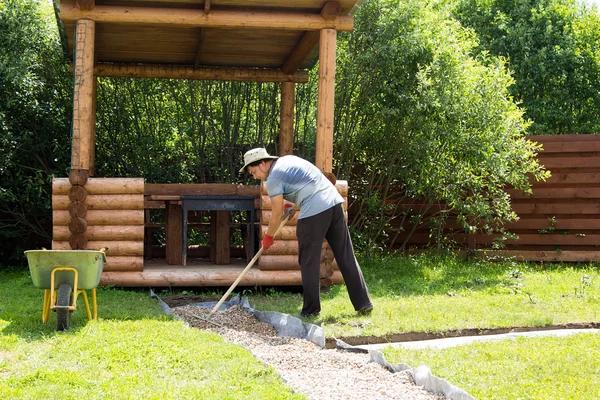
x: 92, y: 213
x: 283, y: 254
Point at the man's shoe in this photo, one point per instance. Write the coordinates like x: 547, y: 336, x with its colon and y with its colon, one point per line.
x: 366, y: 310
x: 307, y: 315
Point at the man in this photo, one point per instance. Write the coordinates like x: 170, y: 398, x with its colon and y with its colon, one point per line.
x: 321, y: 217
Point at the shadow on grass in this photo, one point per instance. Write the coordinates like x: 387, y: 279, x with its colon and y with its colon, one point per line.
x: 21, y: 306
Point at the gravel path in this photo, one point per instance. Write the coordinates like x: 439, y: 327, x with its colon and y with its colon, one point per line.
x: 305, y: 367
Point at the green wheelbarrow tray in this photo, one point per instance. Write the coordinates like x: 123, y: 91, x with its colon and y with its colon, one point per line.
x: 88, y: 263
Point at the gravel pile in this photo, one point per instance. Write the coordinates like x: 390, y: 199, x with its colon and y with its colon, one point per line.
x: 234, y: 318
x: 304, y: 366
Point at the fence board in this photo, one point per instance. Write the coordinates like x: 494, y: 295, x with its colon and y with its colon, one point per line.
x: 569, y: 198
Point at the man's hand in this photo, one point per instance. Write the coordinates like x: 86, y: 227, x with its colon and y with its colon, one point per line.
x: 267, y: 241
x: 288, y: 206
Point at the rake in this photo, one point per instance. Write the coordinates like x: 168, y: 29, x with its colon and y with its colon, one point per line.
x: 284, y: 218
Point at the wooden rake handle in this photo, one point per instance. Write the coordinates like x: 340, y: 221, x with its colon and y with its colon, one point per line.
x: 284, y: 218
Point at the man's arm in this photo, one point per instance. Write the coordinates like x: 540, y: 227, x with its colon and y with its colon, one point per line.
x: 276, y: 214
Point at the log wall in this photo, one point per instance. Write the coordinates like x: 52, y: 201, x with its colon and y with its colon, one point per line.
x: 95, y: 213
x: 283, y: 254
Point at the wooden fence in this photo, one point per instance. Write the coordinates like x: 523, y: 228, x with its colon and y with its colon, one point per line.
x: 560, y: 220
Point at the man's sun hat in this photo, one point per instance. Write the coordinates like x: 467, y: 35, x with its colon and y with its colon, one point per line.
x: 260, y: 153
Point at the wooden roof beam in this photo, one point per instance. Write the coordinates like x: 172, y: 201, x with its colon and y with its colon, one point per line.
x: 216, y: 18
x: 206, y: 6
x: 178, y: 72
x: 200, y: 47
x: 309, y: 41
x: 85, y: 4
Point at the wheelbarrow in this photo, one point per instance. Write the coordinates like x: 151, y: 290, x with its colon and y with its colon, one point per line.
x: 64, y: 275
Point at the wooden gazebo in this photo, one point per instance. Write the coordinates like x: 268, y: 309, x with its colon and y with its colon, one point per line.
x: 233, y: 40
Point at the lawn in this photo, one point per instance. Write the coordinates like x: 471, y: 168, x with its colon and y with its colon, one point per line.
x: 441, y: 294
x: 135, y: 351
x: 522, y: 368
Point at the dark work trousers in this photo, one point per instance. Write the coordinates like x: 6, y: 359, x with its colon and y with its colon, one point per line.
x: 331, y: 225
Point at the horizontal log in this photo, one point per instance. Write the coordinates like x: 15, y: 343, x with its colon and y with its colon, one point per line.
x: 266, y: 203
x: 209, y: 188
x: 571, y: 147
x: 196, y: 18
x: 559, y: 224
x: 286, y: 233
x: 122, y: 263
x: 102, y: 232
x: 121, y: 248
x: 278, y: 263
x: 102, y: 186
x: 289, y: 248
x: 203, y: 276
x: 570, y: 162
x: 265, y: 218
x: 546, y: 256
x: 287, y: 261
x: 168, y: 197
x: 341, y: 186
x: 212, y: 74
x: 569, y: 178
x: 103, y: 217
x: 557, y: 193
x: 102, y: 202
x: 592, y: 208
x: 283, y: 247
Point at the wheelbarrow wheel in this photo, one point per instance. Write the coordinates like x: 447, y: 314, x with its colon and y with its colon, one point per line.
x: 63, y: 300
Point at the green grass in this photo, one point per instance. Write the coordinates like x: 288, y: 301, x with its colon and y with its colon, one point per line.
x: 522, y: 368
x: 439, y: 294
x: 134, y: 351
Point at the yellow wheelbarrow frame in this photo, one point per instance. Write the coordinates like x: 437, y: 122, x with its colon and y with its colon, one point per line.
x: 50, y: 297
x: 80, y: 269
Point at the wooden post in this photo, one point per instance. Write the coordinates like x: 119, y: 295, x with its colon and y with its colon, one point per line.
x: 83, y: 96
x: 324, y: 145
x: 93, y: 125
x: 286, y: 119
x: 222, y: 239
x: 213, y: 236
x: 174, y: 234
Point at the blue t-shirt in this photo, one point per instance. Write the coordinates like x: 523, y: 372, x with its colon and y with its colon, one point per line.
x: 303, y: 184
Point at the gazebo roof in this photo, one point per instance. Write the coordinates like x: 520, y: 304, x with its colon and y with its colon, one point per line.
x: 274, y: 34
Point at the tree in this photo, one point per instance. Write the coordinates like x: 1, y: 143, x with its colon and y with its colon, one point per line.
x: 553, y: 49
x: 418, y: 115
x: 35, y: 109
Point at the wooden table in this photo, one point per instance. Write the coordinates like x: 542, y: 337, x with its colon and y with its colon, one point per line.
x: 223, y: 205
